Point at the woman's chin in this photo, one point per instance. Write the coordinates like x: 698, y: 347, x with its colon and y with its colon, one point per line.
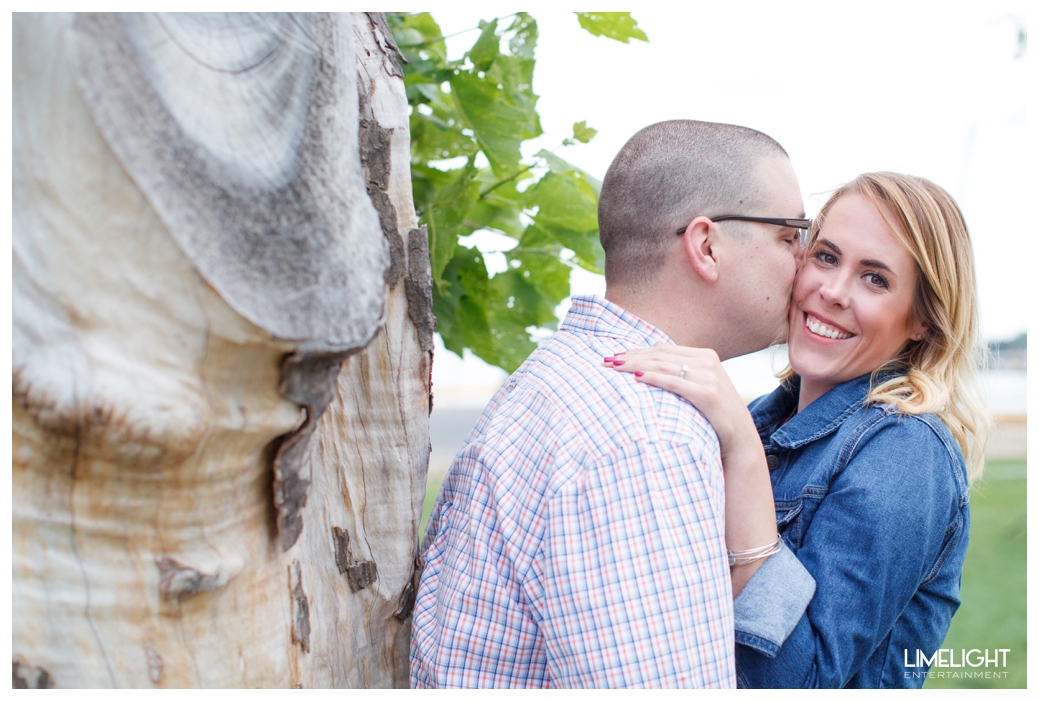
x: 810, y: 366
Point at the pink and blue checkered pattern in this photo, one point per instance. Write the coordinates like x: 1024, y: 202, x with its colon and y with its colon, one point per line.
x: 579, y: 537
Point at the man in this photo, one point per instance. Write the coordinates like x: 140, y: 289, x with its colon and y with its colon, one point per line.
x: 579, y: 537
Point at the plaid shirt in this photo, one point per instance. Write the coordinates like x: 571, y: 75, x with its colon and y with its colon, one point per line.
x: 579, y: 537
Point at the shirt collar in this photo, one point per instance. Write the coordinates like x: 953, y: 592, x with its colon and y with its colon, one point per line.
x: 820, y: 418
x: 596, y: 316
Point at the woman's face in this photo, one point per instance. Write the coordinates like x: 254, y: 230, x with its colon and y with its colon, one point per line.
x: 851, y: 309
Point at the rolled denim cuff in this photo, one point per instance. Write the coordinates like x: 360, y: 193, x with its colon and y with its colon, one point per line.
x: 772, y: 602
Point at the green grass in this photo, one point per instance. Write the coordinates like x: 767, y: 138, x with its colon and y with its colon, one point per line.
x: 994, y: 591
x: 433, y: 483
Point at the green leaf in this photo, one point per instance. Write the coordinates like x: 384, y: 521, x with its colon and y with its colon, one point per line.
x: 499, y: 103
x: 541, y: 281
x: 472, y: 313
x: 526, y: 36
x: 417, y: 34
x: 460, y: 302
x: 500, y: 210
x: 498, y: 125
x: 568, y: 212
x: 555, y: 163
x: 445, y: 215
x: 562, y: 167
x: 486, y: 48
x: 454, y: 200
x: 619, y: 26
x: 509, y: 342
x: 583, y: 132
x: 433, y: 139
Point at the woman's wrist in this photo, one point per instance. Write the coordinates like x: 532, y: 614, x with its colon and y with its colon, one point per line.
x: 742, y: 449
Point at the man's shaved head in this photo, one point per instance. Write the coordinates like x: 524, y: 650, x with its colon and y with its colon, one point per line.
x: 669, y: 173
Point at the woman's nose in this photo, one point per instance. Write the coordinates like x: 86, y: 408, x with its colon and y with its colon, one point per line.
x: 835, y: 291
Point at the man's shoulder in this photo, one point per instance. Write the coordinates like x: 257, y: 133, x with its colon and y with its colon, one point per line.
x: 566, y: 395
x: 553, y: 392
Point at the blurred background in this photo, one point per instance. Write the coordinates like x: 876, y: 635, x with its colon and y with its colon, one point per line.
x: 932, y: 89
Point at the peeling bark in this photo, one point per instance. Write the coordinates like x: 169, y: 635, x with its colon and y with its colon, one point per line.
x: 375, y: 157
x: 308, y: 379
x: 384, y: 39
x: 408, y: 595
x: 419, y: 286
x: 26, y: 676
x: 300, y: 608
x: 359, y: 573
x: 419, y: 289
x: 179, y: 582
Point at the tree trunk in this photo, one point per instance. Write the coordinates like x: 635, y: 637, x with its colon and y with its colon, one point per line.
x: 222, y: 341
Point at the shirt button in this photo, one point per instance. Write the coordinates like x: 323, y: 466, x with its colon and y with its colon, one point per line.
x: 773, y: 461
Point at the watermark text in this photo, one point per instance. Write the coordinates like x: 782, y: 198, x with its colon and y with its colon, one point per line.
x: 962, y: 664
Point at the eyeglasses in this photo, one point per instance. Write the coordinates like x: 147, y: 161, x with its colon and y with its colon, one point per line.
x: 802, y: 225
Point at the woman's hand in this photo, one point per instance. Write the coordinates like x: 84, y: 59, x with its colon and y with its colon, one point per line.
x: 696, y: 375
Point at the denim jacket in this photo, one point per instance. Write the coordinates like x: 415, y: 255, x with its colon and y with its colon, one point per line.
x: 874, y: 504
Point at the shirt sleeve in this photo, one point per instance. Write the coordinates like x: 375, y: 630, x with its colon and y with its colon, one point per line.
x: 878, y: 528
x: 773, y: 601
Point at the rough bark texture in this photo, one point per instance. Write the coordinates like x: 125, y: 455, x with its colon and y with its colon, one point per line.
x: 221, y: 395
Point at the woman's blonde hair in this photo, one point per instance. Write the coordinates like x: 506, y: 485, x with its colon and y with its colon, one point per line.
x: 938, y: 374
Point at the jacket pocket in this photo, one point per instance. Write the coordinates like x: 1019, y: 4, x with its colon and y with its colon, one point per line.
x: 794, y: 515
x: 787, y: 522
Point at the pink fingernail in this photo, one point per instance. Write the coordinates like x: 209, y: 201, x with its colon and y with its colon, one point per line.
x: 608, y: 360
x: 617, y: 362
x: 639, y: 373
x: 621, y: 353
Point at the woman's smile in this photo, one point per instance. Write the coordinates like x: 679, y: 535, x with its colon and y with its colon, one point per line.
x: 825, y: 329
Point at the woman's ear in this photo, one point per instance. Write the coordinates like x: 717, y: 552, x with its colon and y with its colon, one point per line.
x: 700, y: 239
x: 918, y: 330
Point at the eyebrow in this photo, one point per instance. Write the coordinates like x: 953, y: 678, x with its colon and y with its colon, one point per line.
x: 830, y: 244
x: 868, y: 262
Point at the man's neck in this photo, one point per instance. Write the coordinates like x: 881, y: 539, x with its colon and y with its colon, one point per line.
x: 683, y: 326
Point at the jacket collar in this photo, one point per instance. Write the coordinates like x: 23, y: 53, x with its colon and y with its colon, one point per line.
x: 820, y: 418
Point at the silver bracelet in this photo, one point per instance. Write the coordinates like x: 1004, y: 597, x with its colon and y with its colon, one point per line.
x: 745, y: 557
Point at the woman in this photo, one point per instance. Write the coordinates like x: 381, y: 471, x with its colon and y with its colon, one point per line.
x: 864, y: 442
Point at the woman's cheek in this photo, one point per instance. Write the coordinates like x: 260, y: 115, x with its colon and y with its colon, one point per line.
x: 802, y: 286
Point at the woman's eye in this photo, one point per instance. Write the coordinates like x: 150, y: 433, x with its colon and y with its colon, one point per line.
x: 877, y: 280
x: 826, y: 258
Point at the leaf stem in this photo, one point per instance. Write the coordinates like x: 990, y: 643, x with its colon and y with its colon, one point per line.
x: 518, y: 173
x: 427, y: 42
x: 509, y: 179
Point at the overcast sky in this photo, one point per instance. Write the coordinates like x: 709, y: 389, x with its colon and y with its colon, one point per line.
x: 932, y: 89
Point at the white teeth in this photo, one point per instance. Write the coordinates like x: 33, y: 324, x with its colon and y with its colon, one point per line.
x: 821, y: 329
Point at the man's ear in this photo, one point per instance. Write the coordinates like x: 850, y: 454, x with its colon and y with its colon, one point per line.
x: 699, y: 242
